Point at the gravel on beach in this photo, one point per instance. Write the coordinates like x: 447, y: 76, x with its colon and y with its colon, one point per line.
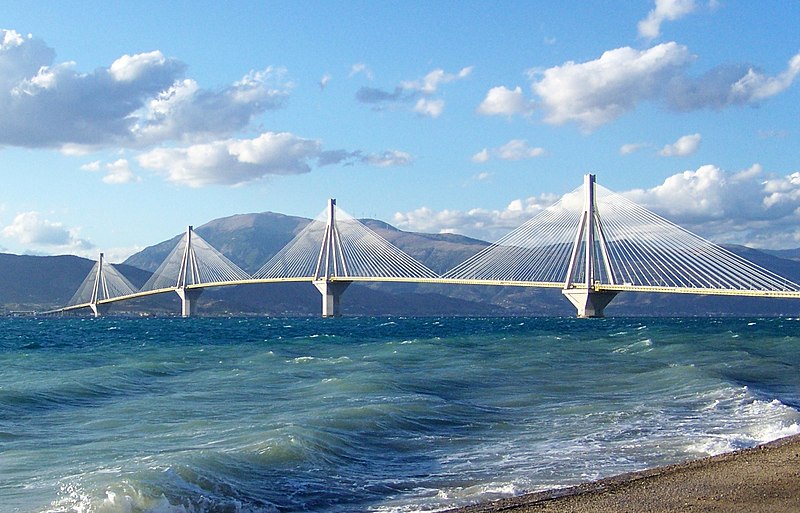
x: 761, y: 479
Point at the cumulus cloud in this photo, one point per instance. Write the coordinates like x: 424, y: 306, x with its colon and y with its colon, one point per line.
x: 43, y: 104
x: 749, y: 207
x: 665, y: 10
x: 685, y: 145
x: 482, y: 156
x: 746, y: 207
x: 597, y: 92
x: 501, y: 101
x: 518, y: 149
x: 431, y: 82
x: 184, y: 111
x: 117, y: 172
x: 515, y: 149
x: 30, y: 229
x: 233, y: 161
x: 418, y: 92
x: 138, y: 100
x: 727, y: 85
x: 240, y: 161
x: 120, y: 172
x: 483, y: 224
x: 627, y: 149
x: 431, y: 108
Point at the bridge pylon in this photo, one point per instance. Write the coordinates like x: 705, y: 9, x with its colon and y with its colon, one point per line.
x: 103, y: 283
x: 331, y: 264
x: 99, y: 290
x: 189, y: 274
x: 589, y: 262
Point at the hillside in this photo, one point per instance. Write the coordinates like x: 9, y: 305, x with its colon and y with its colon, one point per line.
x: 39, y: 283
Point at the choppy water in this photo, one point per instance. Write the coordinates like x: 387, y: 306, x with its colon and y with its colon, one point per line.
x: 371, y: 414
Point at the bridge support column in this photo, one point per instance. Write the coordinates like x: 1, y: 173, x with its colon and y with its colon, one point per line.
x: 331, y: 294
x: 589, y: 303
x: 188, y: 300
x: 98, y: 310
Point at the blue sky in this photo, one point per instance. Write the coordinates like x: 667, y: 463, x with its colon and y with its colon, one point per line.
x: 121, y: 123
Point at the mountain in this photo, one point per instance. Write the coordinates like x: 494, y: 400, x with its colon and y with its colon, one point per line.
x: 791, y: 254
x: 249, y: 240
x: 35, y: 283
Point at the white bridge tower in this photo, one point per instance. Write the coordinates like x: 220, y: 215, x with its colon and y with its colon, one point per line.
x: 589, y: 261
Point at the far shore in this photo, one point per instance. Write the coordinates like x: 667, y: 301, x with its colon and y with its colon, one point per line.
x: 764, y: 479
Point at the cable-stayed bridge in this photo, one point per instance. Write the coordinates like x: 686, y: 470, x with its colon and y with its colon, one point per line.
x: 592, y: 244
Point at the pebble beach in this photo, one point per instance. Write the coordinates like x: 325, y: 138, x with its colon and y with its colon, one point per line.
x: 764, y: 479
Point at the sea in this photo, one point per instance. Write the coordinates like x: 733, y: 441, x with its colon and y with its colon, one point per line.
x: 372, y: 414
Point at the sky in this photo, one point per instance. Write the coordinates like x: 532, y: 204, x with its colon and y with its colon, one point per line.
x: 123, y: 122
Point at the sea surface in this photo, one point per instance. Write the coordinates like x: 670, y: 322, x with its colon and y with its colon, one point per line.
x: 372, y: 414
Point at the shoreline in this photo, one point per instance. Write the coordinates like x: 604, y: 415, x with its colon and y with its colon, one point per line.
x: 765, y: 478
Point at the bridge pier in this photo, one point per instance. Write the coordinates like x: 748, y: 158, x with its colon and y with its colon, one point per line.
x: 331, y: 294
x: 188, y: 300
x: 589, y: 303
x: 99, y: 309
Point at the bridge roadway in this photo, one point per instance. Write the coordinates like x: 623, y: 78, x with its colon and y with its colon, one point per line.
x: 599, y: 288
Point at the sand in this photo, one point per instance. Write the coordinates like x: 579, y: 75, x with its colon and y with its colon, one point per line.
x: 762, y: 479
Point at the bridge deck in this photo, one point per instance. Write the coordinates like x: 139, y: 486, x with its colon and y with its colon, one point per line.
x: 448, y: 281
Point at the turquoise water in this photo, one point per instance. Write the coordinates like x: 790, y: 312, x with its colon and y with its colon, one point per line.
x: 371, y: 414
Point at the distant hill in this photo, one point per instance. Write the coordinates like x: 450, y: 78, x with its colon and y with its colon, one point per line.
x: 40, y: 283
x: 35, y: 283
x: 790, y: 254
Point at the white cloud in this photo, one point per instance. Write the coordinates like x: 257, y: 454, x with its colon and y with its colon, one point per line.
x: 484, y: 224
x: 389, y: 158
x: 518, y: 149
x: 755, y: 86
x: 240, y: 161
x: 120, y: 172
x: 28, y: 228
x: 361, y: 68
x: 117, y: 172
x: 685, y: 145
x: 138, y: 100
x: 596, y: 92
x: 132, y: 67
x: 748, y: 207
x: 92, y: 166
x: 501, y: 101
x: 482, y: 156
x: 186, y: 112
x: 665, y: 10
x: 627, y: 149
x: 233, y: 161
x: 515, y: 149
x: 418, y: 92
x: 430, y: 83
x: 323, y: 82
x: 430, y: 108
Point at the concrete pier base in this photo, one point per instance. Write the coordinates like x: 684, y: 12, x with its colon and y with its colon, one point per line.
x: 188, y: 300
x: 99, y: 310
x: 331, y: 294
x: 589, y: 303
